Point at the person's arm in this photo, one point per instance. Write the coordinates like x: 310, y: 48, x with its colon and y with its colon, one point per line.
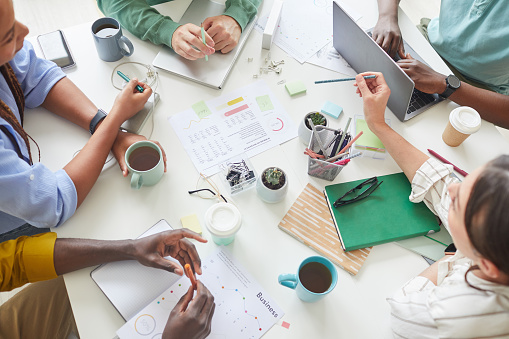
x: 375, y: 94
x: 141, y: 20
x: 84, y: 169
x: 492, y: 106
x: 387, y: 33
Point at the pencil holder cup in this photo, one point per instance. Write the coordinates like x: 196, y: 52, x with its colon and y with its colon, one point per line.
x: 319, y: 168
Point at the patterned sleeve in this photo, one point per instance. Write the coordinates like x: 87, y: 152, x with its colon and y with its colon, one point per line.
x: 430, y: 185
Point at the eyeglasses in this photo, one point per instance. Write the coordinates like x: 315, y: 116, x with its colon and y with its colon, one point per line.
x: 213, y: 190
x: 359, y: 192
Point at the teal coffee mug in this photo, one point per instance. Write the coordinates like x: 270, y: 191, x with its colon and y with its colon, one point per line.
x: 111, y: 44
x: 144, y: 160
x: 315, y: 278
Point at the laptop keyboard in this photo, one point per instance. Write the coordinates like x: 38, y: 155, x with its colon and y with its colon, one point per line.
x: 419, y: 99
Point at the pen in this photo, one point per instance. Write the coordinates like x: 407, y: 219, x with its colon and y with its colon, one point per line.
x: 344, y: 79
x: 344, y: 132
x: 317, y: 137
x: 126, y: 78
x: 355, y: 155
x: 190, y: 274
x: 203, y: 38
x: 336, y: 157
x: 351, y: 142
x: 442, y: 159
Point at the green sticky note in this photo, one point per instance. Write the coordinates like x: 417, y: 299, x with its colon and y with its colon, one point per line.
x: 368, y: 138
x: 264, y: 103
x: 201, y: 109
x: 296, y: 87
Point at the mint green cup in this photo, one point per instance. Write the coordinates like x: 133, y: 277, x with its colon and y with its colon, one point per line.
x: 322, y: 275
x: 144, y: 159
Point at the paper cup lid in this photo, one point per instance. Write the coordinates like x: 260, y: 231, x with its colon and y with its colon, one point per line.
x: 223, y: 219
x: 465, y: 119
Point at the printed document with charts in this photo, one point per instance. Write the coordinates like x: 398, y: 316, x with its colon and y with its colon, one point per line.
x: 243, y: 308
x: 249, y: 120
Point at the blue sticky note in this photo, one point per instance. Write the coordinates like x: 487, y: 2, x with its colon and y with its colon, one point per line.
x: 332, y: 109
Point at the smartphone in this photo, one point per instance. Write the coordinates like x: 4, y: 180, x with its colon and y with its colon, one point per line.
x: 55, y: 48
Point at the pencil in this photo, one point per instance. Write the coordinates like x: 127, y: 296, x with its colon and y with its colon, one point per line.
x: 351, y: 142
x: 344, y: 79
x: 203, y: 38
x: 126, y: 78
x: 442, y: 159
x: 190, y: 274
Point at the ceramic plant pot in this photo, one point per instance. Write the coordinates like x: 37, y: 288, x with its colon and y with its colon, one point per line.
x: 272, y: 193
x: 304, y: 130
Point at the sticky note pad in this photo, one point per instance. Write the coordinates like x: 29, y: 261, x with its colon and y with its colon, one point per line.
x: 368, y: 139
x: 191, y: 222
x: 296, y: 87
x: 332, y: 109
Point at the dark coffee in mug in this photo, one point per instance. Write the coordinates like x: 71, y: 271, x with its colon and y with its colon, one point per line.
x: 106, y: 30
x: 144, y: 158
x: 315, y: 277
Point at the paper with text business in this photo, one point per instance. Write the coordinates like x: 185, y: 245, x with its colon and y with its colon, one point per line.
x: 243, y: 308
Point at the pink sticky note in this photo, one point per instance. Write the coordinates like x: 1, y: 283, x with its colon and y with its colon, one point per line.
x: 286, y: 325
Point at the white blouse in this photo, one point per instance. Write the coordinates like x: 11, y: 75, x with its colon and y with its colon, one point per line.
x: 452, y: 309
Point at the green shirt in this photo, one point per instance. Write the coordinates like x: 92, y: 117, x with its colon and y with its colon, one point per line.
x: 147, y: 23
x: 473, y: 35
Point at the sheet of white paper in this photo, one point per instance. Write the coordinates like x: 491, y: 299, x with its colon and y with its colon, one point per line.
x: 305, y: 27
x: 329, y: 58
x: 249, y: 120
x: 243, y: 308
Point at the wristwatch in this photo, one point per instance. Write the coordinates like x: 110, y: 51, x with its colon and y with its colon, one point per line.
x: 99, y: 116
x: 453, y: 83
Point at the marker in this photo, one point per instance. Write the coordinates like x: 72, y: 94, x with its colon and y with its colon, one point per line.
x: 126, y: 78
x: 203, y: 38
x: 442, y: 159
x: 344, y: 132
x: 190, y: 274
x: 344, y: 79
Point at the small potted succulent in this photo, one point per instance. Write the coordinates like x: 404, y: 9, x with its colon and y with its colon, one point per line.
x: 305, y: 130
x: 272, y: 185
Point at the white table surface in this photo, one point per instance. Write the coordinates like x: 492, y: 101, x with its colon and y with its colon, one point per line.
x: 357, y: 307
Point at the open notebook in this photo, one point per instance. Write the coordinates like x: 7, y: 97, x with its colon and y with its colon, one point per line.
x: 119, y: 280
x: 310, y: 222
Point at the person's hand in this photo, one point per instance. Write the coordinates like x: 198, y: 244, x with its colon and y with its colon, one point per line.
x: 388, y: 36
x: 375, y: 94
x: 129, y: 101
x: 187, y: 42
x: 426, y: 80
x: 150, y: 251
x: 191, y: 320
x: 224, y: 30
x: 122, y: 143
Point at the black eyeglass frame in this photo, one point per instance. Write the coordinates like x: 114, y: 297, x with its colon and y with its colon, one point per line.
x: 373, y: 185
x: 209, y: 190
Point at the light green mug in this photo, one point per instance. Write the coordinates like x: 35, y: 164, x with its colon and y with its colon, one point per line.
x: 144, y: 159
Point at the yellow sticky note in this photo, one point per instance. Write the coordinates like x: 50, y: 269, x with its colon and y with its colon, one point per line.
x: 191, y: 222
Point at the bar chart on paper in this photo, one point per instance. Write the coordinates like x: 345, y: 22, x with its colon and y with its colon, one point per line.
x: 243, y: 308
x: 249, y: 120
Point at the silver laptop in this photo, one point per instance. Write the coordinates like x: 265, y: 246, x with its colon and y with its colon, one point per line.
x: 211, y: 73
x: 364, y: 54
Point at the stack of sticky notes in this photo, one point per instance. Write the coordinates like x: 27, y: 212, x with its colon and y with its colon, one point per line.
x: 368, y: 140
x: 295, y: 87
x: 191, y: 222
x: 332, y: 109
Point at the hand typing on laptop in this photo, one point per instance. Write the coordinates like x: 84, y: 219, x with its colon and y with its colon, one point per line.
x: 425, y: 78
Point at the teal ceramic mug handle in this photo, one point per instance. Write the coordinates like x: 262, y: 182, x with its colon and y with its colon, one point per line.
x: 129, y: 45
x: 136, y: 181
x: 288, y: 280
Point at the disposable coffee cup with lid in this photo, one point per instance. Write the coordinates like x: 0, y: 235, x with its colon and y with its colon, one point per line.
x: 223, y: 222
x: 463, y: 121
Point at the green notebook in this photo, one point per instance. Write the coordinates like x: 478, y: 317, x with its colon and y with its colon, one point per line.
x: 386, y: 215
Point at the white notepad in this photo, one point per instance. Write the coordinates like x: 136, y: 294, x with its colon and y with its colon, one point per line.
x: 129, y: 285
x: 213, y: 72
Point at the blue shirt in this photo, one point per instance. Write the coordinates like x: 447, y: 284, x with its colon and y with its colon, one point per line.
x: 473, y: 35
x: 31, y: 194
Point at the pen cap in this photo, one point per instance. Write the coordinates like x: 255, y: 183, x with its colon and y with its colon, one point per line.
x: 465, y: 120
x: 223, y: 222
